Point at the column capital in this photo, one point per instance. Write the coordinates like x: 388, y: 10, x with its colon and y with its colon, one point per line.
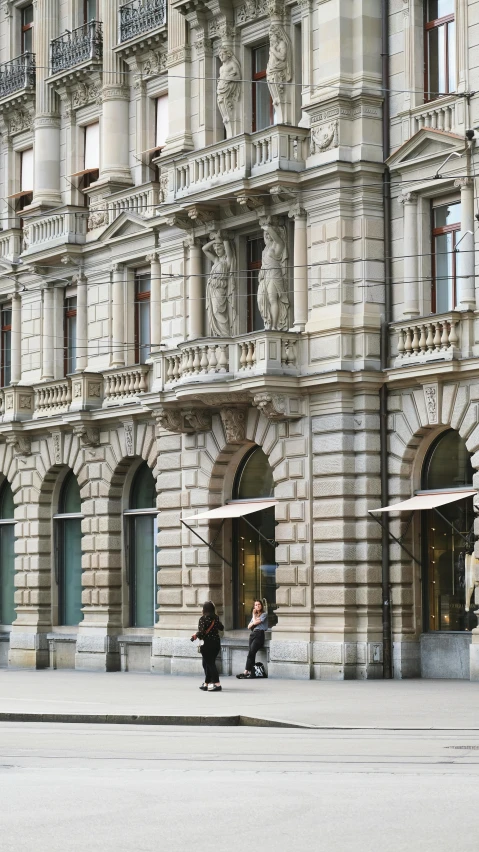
x: 153, y: 257
x: 408, y: 198
x: 297, y: 212
x: 116, y: 267
x: 463, y: 183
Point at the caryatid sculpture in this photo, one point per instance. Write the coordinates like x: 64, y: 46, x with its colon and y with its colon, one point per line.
x: 220, y: 287
x: 273, y: 299
x: 279, y: 69
x: 228, y: 89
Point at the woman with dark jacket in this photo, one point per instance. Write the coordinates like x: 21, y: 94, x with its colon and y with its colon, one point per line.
x: 209, y: 627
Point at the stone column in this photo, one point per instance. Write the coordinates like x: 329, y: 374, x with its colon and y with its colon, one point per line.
x: 82, y: 324
x: 16, y: 373
x: 195, y: 290
x: 300, y: 267
x: 465, y: 289
x: 48, y: 339
x: 118, y: 316
x: 179, y: 85
x: 47, y: 120
x: 114, y: 160
x: 411, y: 266
x: 155, y: 302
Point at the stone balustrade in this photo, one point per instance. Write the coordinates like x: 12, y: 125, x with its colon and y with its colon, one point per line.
x: 434, y: 338
x: 64, y: 227
x: 52, y: 398
x: 125, y: 384
x: 438, y: 115
x: 244, y: 156
x: 141, y: 200
x: 11, y: 244
x: 260, y: 353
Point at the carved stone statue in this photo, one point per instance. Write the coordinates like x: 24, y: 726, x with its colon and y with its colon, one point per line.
x: 279, y: 68
x: 228, y: 89
x: 220, y: 287
x: 273, y: 299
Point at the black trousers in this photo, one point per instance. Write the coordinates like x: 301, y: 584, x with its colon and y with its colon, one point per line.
x: 209, y: 652
x: 256, y: 642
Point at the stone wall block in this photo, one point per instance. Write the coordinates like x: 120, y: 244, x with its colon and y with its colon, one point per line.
x: 169, y: 519
x: 283, y: 595
x: 327, y: 652
x: 190, y: 597
x: 330, y: 465
x: 297, y: 511
x: 298, y: 597
x: 460, y: 405
x: 169, y: 500
x: 289, y: 651
x: 285, y: 532
x: 107, y: 578
x: 334, y: 486
x: 277, y: 454
x: 325, y: 530
x: 167, y: 558
x: 285, y: 490
x: 303, y: 575
x: 169, y: 481
x: 168, y: 442
x: 298, y: 553
x: 169, y: 538
x: 171, y: 577
x: 339, y: 442
x: 411, y: 413
x: 324, y: 423
x: 170, y: 461
x: 448, y: 396
x: 334, y: 596
x: 109, y: 597
x: 282, y: 553
x: 334, y: 551
x: 170, y: 597
x: 286, y: 576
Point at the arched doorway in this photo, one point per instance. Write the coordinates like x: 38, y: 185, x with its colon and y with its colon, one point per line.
x: 68, y: 553
x: 447, y: 466
x: 253, y: 538
x: 7, y: 556
x: 141, y: 530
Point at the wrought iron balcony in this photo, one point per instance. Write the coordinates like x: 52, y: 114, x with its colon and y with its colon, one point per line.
x: 141, y: 16
x: 17, y: 74
x: 73, y: 48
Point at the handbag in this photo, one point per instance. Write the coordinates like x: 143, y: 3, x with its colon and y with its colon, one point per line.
x: 201, y: 642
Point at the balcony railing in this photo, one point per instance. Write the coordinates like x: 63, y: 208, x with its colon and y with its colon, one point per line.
x: 53, y: 398
x: 141, y: 16
x: 66, y: 226
x: 125, y: 384
x: 17, y: 75
x: 441, y: 337
x: 260, y: 353
x: 84, y: 44
x: 245, y: 156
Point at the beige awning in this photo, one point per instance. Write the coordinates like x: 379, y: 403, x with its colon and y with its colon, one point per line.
x: 233, y: 510
x: 428, y: 500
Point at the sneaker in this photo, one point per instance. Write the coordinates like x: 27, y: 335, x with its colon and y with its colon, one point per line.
x: 243, y: 676
x: 204, y: 687
x: 213, y: 688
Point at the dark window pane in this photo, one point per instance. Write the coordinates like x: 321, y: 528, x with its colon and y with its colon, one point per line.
x: 451, y: 57
x: 260, y: 59
x: 6, y: 503
x: 144, y: 570
x: 444, y: 279
x: 70, y: 571
x: 143, y: 491
x: 70, y: 500
x: 262, y: 105
x: 439, y: 9
x: 436, y: 62
x: 7, y: 574
x: 144, y: 335
x: 255, y: 478
x: 449, y: 214
x: 448, y: 464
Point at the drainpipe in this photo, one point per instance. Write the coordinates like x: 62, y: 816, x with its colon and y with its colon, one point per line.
x: 383, y: 393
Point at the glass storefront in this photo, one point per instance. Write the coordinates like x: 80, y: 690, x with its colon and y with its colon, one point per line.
x: 68, y: 562
x: 254, y: 554
x: 447, y: 466
x: 7, y: 556
x: 142, y: 569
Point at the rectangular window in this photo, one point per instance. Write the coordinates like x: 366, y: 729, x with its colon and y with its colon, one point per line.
x: 142, y: 318
x: 262, y: 103
x: 254, y: 321
x: 27, y: 28
x: 70, y: 332
x: 6, y: 315
x: 439, y: 49
x: 26, y: 178
x: 161, y: 121
x: 446, y: 225
x: 92, y: 154
x: 89, y: 11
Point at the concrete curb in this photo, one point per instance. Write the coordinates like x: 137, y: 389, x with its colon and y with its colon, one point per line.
x: 125, y: 719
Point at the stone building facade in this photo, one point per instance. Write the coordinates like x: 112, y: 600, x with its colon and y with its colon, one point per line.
x: 193, y: 281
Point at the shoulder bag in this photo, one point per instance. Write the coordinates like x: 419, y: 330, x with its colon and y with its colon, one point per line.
x: 202, y: 641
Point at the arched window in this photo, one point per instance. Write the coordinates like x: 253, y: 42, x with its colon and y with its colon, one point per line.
x: 68, y: 553
x: 254, y: 552
x: 7, y: 556
x: 141, y: 518
x: 447, y: 466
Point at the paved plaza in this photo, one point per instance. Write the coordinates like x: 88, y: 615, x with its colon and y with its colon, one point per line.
x: 391, y: 767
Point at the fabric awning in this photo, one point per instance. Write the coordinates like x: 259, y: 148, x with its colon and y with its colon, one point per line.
x: 427, y: 501
x: 233, y: 510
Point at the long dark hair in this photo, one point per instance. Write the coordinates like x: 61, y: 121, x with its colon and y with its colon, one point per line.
x: 209, y: 608
x: 258, y: 600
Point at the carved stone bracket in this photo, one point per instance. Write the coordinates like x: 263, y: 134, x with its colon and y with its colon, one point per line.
x: 89, y: 435
x: 21, y: 444
x: 186, y: 421
x: 277, y: 406
x: 234, y: 424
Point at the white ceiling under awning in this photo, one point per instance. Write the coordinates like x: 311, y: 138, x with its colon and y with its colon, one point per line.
x: 428, y: 501
x: 233, y: 510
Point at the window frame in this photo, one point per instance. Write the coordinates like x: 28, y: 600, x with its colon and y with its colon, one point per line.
x: 5, y: 329
x: 437, y: 232
x: 86, y: 19
x: 69, y: 313
x: 256, y: 76
x: 435, y: 23
x: 141, y: 297
x: 26, y: 28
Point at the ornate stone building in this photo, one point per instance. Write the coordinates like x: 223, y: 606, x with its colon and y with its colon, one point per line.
x: 200, y: 266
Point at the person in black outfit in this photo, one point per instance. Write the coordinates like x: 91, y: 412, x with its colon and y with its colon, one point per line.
x: 258, y: 626
x: 209, y: 626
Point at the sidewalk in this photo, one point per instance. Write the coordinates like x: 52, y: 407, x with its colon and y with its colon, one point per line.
x: 407, y: 704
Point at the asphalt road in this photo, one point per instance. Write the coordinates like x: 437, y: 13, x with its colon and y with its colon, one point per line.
x: 71, y: 788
